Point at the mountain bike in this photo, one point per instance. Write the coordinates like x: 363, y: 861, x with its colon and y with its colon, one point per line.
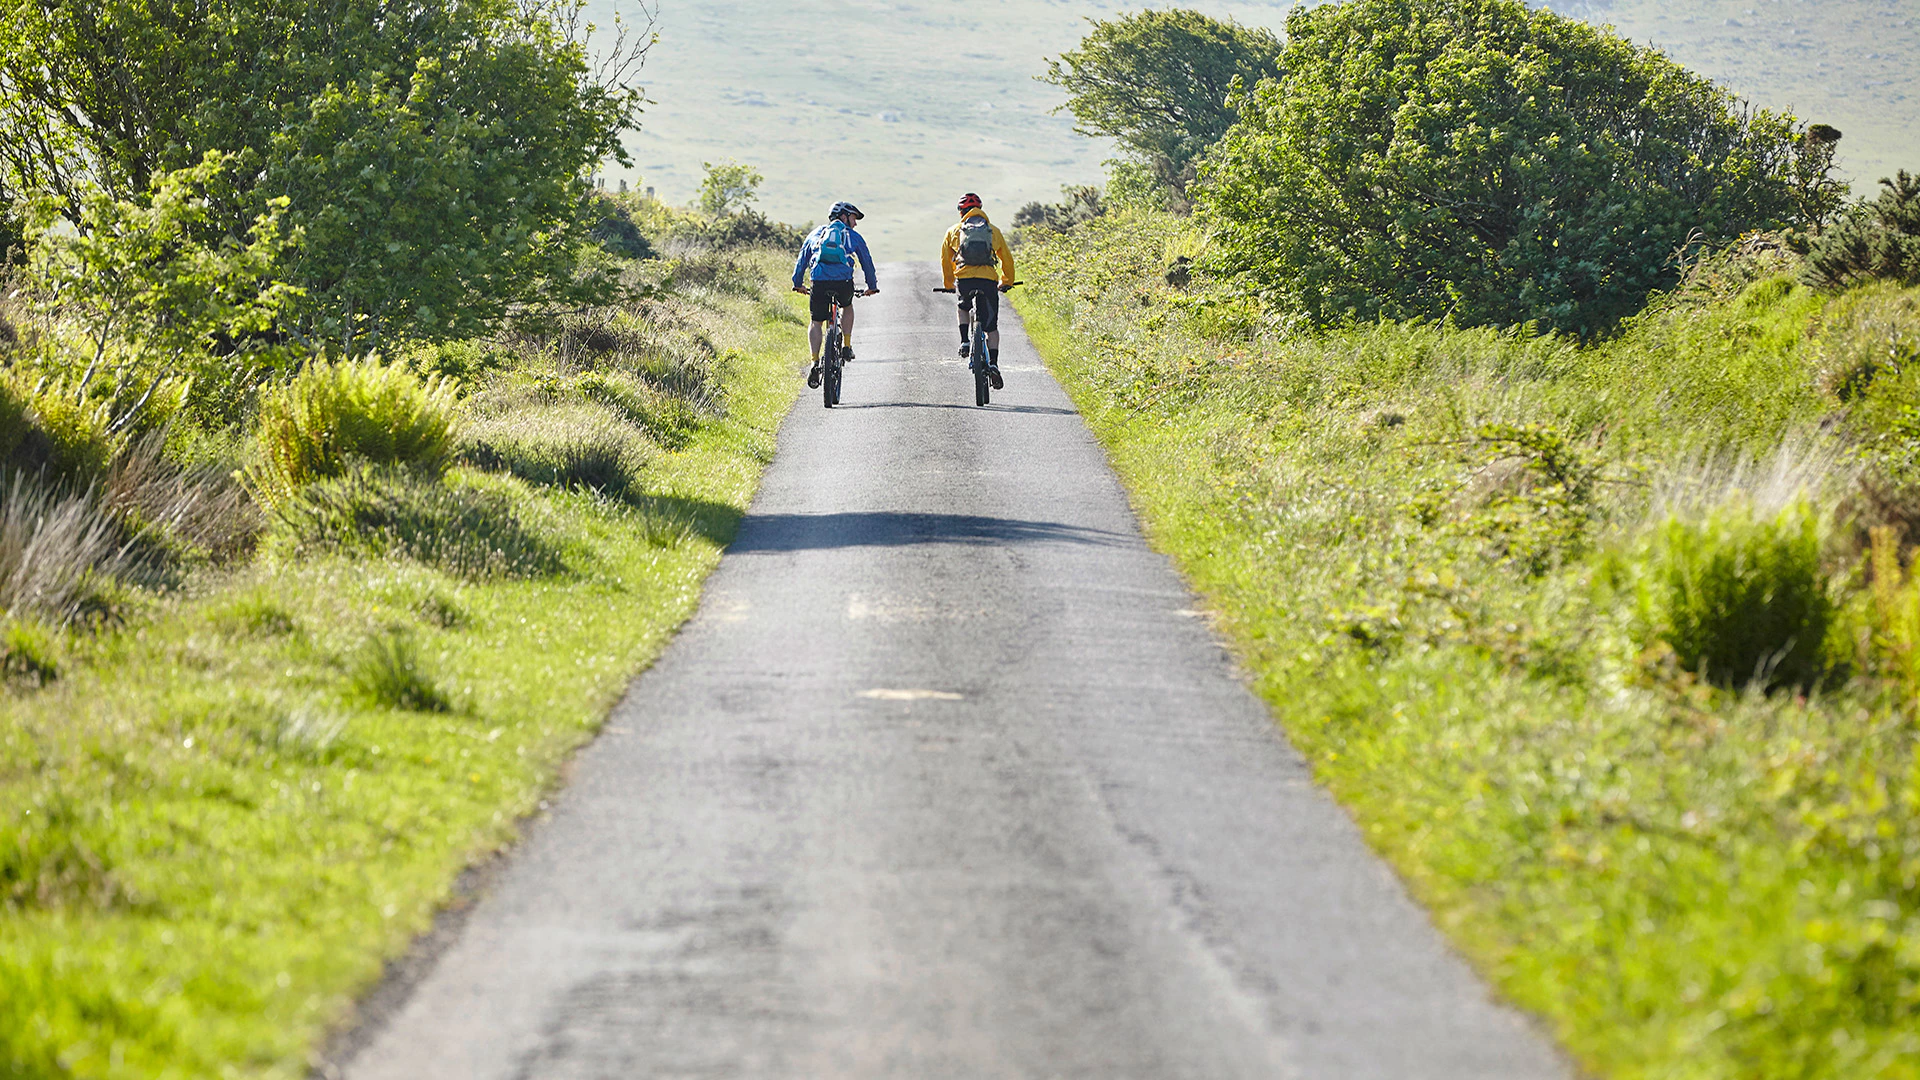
x: 977, y: 350
x: 830, y: 359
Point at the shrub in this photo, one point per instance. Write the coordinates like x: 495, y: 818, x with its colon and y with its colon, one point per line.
x: 27, y: 654
x: 13, y: 418
x: 59, y: 553
x: 333, y: 415
x: 615, y: 230
x: 1740, y: 596
x: 386, y: 671
x: 1878, y: 240
x: 566, y: 445
x: 55, y: 434
x: 463, y: 530
x: 1478, y: 161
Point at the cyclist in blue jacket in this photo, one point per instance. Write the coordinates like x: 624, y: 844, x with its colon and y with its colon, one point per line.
x: 831, y: 251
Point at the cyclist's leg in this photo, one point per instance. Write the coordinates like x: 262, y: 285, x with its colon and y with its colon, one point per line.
x: 989, y: 300
x: 846, y: 325
x: 820, y: 307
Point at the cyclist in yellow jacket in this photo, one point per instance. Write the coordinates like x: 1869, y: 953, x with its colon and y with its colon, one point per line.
x: 972, y: 256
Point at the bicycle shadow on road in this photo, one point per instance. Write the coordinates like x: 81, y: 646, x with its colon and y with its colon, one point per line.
x: 886, y: 528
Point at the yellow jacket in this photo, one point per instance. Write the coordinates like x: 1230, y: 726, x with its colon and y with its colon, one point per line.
x: 950, y: 267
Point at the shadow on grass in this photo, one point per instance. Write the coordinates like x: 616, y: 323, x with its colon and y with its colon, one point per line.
x: 880, y: 528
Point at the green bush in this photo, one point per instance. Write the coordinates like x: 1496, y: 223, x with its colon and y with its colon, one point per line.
x: 1740, y: 595
x: 1878, y: 240
x: 52, y: 434
x: 13, y: 418
x: 387, y: 672
x: 1478, y: 161
x: 27, y: 654
x: 334, y: 415
x: 470, y: 531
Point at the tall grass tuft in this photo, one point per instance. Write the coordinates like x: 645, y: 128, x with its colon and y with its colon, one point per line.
x: 579, y: 444
x: 1741, y: 595
x: 59, y: 553
x: 387, y: 671
x: 196, y: 512
x: 333, y: 415
x: 469, y: 531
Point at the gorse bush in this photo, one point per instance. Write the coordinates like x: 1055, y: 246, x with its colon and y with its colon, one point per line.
x: 336, y: 414
x: 1485, y: 163
x: 1878, y: 240
x: 1741, y: 596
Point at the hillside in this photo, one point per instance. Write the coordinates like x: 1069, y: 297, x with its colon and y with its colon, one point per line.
x: 1854, y: 64
x: 916, y: 102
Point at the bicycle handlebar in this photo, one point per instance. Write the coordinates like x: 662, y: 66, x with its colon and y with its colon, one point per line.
x: 1003, y: 288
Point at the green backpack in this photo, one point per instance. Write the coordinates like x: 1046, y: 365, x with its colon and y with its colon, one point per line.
x: 976, y: 242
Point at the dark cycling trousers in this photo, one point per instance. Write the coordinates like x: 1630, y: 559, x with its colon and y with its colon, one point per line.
x: 985, y: 292
x: 821, y: 296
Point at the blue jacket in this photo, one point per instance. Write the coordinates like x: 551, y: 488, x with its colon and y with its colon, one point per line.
x: 809, y: 251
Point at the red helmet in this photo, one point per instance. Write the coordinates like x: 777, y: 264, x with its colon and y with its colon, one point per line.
x: 969, y: 201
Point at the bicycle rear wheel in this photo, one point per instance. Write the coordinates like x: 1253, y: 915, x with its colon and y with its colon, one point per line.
x: 982, y: 385
x: 830, y: 368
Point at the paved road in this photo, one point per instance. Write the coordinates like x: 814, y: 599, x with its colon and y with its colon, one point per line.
x: 945, y: 780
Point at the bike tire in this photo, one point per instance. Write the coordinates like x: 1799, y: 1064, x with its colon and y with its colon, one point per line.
x: 830, y: 369
x: 982, y: 385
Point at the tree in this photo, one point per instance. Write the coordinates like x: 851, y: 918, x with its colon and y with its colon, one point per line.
x: 1875, y: 240
x: 435, y: 152
x: 1158, y: 82
x: 1478, y: 161
x: 729, y: 188
x: 161, y: 306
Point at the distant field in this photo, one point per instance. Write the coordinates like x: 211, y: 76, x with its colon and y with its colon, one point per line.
x: 901, y: 105
x: 1854, y: 64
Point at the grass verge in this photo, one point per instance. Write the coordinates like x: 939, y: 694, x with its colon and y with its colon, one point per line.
x: 226, y: 813
x: 1484, y: 580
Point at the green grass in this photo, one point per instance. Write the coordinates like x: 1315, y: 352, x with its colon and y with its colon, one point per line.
x: 224, y: 815
x: 1448, y: 560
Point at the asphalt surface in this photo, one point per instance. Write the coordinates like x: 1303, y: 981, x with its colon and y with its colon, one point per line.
x: 945, y: 779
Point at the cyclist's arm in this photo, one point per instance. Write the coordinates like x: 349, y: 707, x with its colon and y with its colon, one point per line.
x: 866, y: 261
x: 1006, y: 256
x: 947, y: 247
x: 800, y: 264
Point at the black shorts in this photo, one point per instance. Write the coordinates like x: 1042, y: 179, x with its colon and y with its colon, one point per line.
x: 824, y: 293
x: 988, y: 292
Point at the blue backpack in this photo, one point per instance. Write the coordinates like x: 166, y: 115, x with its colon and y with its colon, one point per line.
x: 834, y: 243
